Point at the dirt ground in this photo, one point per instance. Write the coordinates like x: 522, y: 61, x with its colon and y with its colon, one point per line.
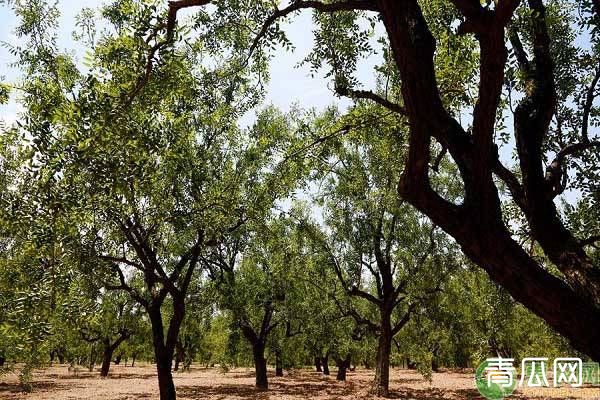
x: 128, y: 383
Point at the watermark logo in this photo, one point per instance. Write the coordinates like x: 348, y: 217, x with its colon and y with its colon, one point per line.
x: 496, y: 378
x: 535, y: 369
x: 568, y: 371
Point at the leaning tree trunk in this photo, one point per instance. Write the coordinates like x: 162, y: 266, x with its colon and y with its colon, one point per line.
x: 260, y: 365
x: 278, y: 363
x: 382, y: 368
x: 106, y: 357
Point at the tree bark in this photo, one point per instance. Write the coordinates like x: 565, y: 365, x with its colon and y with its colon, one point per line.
x: 163, y: 351
x: 278, y: 363
x: 478, y: 225
x: 133, y: 359
x: 382, y: 367
x: 318, y: 364
x: 106, y: 358
x: 2, y: 361
x: 179, y: 354
x: 165, y: 378
x: 260, y: 366
x: 343, y: 365
x: 325, y: 364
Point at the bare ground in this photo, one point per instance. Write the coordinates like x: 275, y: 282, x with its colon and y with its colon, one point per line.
x: 128, y: 383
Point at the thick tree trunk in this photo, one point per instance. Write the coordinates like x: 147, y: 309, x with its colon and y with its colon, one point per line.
x: 343, y: 365
x: 163, y: 354
x: 165, y: 378
x: 435, y: 366
x: 382, y: 368
x: 106, y: 358
x: 325, y: 364
x: 478, y: 224
x: 278, y: 363
x: 260, y: 366
x: 318, y: 364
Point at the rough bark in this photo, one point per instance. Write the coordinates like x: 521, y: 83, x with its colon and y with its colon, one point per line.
x: 382, y: 363
x: 260, y: 366
x: 106, y: 358
x: 478, y: 224
x: 164, y: 347
x: 166, y: 386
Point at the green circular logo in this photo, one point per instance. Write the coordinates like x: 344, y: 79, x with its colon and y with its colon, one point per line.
x: 496, y: 379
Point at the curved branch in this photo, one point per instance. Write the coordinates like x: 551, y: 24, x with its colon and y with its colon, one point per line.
x: 366, y: 94
x: 347, y: 5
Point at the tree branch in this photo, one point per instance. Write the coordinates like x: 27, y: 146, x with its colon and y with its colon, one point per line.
x: 589, y: 101
x: 347, y: 5
x: 366, y: 94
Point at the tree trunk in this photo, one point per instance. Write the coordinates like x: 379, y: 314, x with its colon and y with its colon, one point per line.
x: 118, y: 359
x: 325, y: 364
x: 106, y: 357
x: 278, y: 363
x: 342, y: 365
x: 435, y: 366
x: 133, y: 359
x: 318, y: 364
x: 382, y: 368
x: 179, y: 354
x: 163, y: 355
x: 2, y: 361
x: 478, y: 224
x: 92, y: 359
x: 165, y: 378
x: 260, y: 366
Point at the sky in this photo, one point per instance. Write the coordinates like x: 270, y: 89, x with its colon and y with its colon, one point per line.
x: 289, y: 84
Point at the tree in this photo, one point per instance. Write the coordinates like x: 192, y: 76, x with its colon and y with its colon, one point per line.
x: 382, y: 251
x: 171, y: 173
x: 108, y: 319
x: 547, y: 125
x: 253, y: 273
